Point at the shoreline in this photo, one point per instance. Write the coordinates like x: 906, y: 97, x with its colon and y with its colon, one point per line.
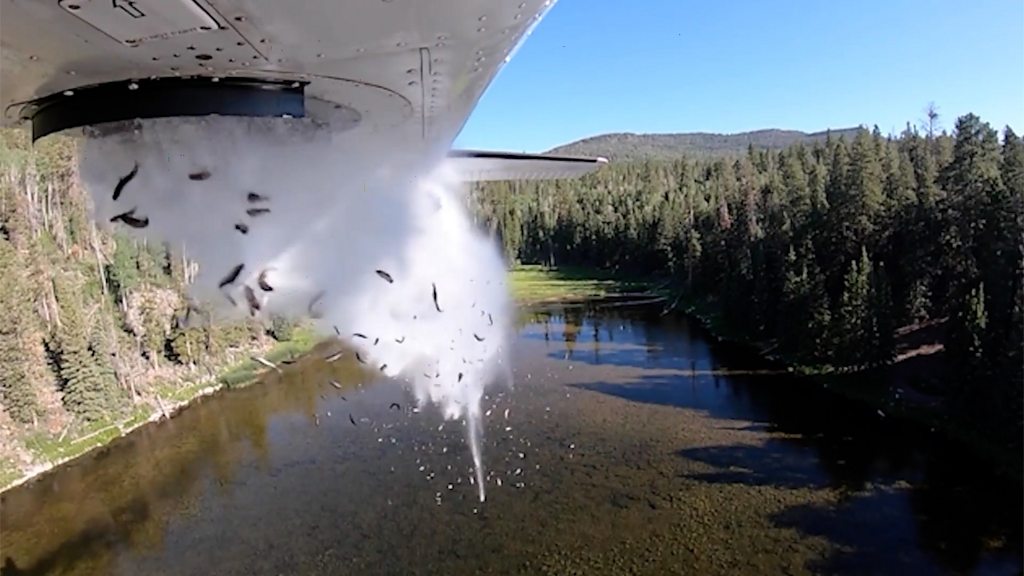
x: 229, y: 378
x: 167, y: 411
x: 232, y: 376
x: 913, y: 405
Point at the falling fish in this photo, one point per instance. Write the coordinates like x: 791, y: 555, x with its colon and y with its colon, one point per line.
x: 387, y: 277
x: 231, y: 276
x: 478, y: 338
x: 352, y: 420
x: 335, y: 384
x: 243, y: 228
x: 130, y: 219
x: 254, y: 304
x: 360, y: 358
x: 359, y: 335
x: 400, y: 340
x: 257, y: 211
x: 436, y: 305
x: 376, y: 341
x: 460, y: 376
x: 333, y: 357
x: 383, y: 367
x: 262, y: 282
x: 124, y: 181
x: 265, y: 362
x: 395, y: 405
x: 254, y: 197
x: 316, y: 298
x: 490, y: 321
x: 199, y: 176
x: 336, y: 331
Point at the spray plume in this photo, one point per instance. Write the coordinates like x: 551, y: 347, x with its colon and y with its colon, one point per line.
x: 363, y: 232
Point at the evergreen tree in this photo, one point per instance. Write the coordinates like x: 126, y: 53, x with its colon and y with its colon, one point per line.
x: 853, y: 329
x: 881, y: 337
x: 17, y: 396
x: 967, y: 343
x: 88, y: 390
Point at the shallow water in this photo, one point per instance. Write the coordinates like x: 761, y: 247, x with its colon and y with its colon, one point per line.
x: 632, y: 445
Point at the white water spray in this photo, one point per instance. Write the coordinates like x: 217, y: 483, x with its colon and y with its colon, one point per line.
x: 314, y: 214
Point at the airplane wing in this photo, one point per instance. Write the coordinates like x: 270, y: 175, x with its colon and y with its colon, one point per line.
x: 480, y: 166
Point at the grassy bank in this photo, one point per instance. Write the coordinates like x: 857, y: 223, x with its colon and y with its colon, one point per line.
x: 51, y: 450
x: 534, y: 284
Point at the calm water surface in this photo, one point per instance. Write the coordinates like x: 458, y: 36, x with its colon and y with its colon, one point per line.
x: 632, y: 445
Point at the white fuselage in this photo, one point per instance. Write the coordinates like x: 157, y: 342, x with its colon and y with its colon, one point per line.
x: 414, y: 65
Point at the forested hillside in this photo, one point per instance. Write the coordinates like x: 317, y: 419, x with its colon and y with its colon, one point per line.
x: 629, y: 147
x: 822, y: 252
x: 90, y: 332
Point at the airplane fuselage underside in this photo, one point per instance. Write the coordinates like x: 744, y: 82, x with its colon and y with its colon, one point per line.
x: 372, y: 65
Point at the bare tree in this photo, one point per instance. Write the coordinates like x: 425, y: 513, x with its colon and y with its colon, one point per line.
x: 930, y: 122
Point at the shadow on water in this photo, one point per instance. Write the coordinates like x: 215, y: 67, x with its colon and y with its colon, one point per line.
x: 910, y: 500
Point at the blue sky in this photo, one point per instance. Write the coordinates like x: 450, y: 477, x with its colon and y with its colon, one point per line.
x: 597, y: 66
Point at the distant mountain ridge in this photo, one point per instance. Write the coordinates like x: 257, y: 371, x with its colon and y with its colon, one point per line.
x: 623, y: 146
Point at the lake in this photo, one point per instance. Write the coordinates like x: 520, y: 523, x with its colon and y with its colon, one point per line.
x: 630, y: 443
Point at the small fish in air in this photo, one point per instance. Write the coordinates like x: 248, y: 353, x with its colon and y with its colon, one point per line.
x: 254, y: 197
x: 333, y: 357
x: 231, y: 276
x: 130, y: 219
x: 124, y: 181
x: 243, y: 228
x: 352, y: 420
x: 335, y: 384
x: 254, y: 303
x: 387, y: 277
x: 395, y: 405
x: 199, y: 176
x: 436, y: 305
x: 265, y: 362
x: 316, y: 298
x: 478, y: 338
x: 257, y: 211
x: 262, y: 281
